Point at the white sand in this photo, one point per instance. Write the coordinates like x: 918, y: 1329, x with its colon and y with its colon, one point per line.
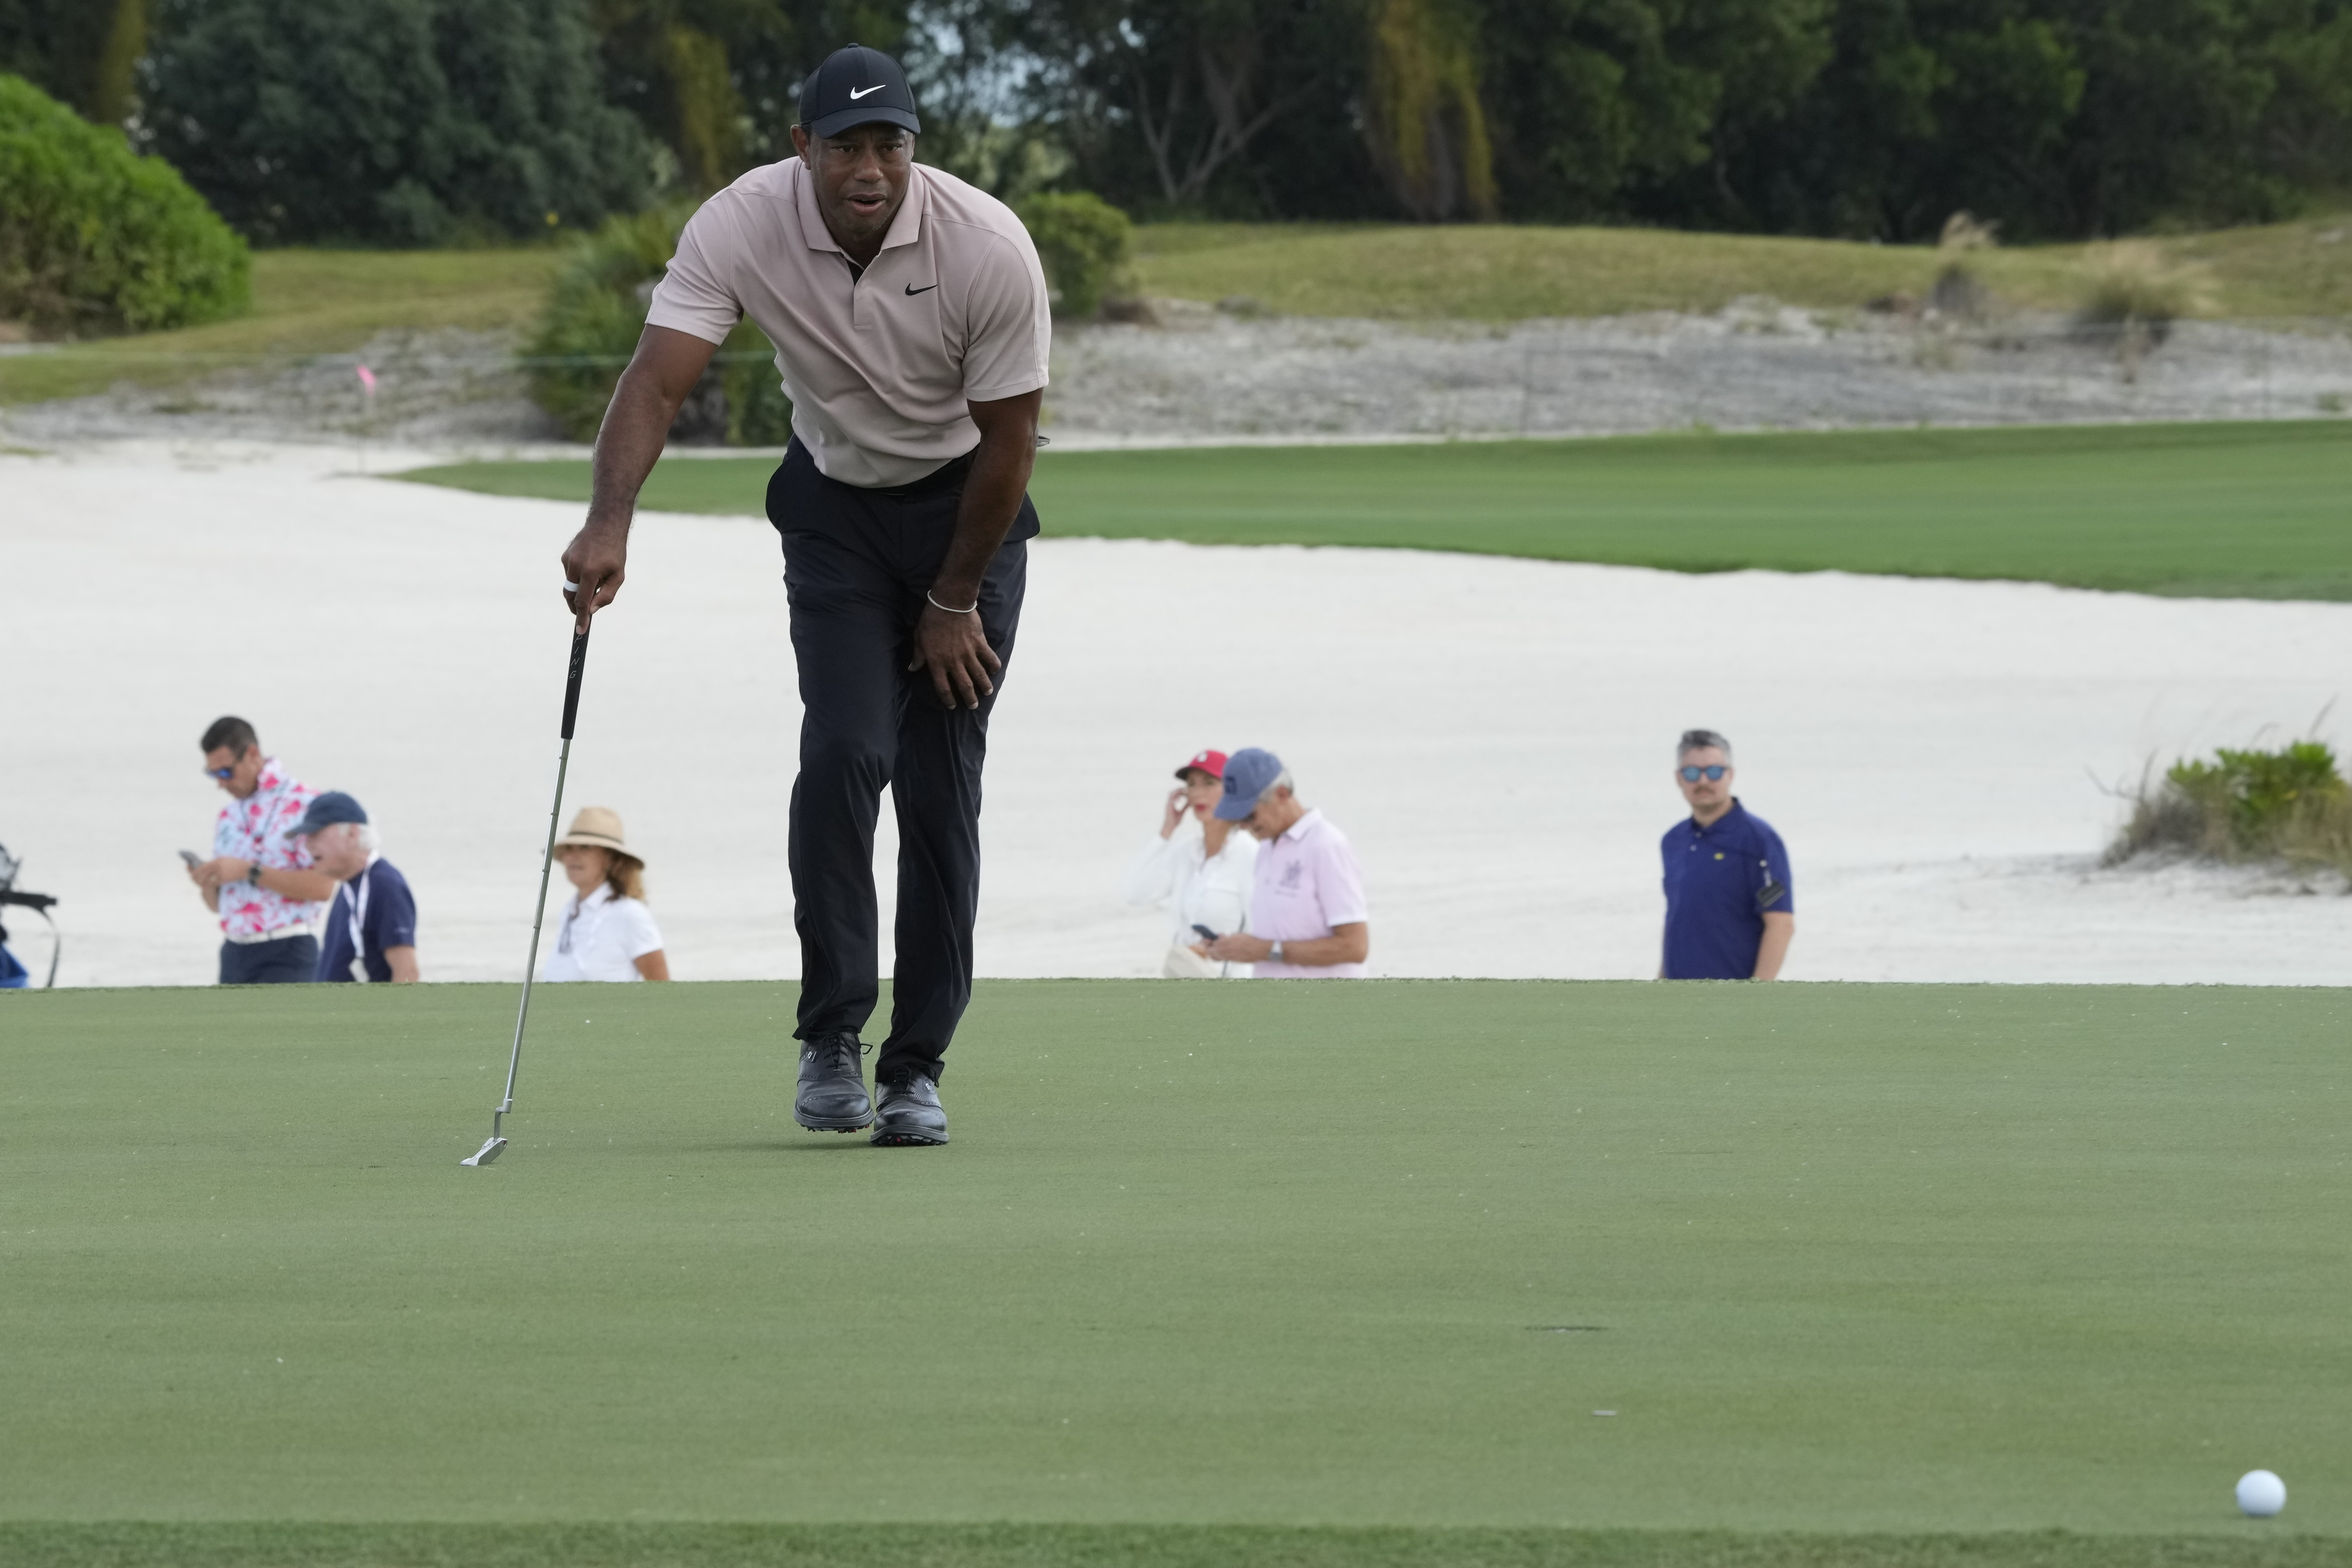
x: 1493, y: 734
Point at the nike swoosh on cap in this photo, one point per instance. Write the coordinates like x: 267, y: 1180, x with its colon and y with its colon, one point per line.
x: 857, y: 92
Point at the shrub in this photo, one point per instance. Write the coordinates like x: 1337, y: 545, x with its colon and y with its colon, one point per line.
x: 2131, y: 286
x: 392, y: 121
x: 1084, y: 242
x: 2290, y: 804
x: 95, y: 238
x: 594, y: 313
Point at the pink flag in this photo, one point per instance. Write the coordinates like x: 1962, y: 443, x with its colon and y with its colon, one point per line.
x: 367, y: 380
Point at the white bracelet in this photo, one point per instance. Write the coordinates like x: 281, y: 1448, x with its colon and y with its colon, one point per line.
x: 937, y: 605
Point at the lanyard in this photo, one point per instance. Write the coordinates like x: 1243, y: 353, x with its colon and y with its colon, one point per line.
x: 357, y: 902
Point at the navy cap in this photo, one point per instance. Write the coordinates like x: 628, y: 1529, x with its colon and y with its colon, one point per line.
x: 856, y: 86
x: 325, y: 811
x: 1249, y: 772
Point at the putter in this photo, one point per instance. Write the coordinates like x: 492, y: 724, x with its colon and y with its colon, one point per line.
x: 496, y: 1144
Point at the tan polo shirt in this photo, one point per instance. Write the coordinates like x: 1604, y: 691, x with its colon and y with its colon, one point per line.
x: 878, y: 366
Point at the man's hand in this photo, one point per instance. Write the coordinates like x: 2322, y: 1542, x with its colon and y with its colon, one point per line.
x: 955, y: 649
x: 637, y: 423
x: 215, y: 874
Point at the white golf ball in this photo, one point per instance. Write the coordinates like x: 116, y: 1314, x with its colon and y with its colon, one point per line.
x: 2260, y: 1493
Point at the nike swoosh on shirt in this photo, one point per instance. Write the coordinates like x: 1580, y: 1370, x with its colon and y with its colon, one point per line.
x: 857, y: 92
x: 926, y: 288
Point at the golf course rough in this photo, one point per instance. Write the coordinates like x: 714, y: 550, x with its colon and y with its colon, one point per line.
x: 1916, y: 1263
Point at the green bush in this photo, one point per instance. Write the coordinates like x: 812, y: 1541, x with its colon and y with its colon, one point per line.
x: 594, y: 313
x: 1084, y: 242
x: 2290, y: 804
x: 94, y: 239
x: 392, y: 121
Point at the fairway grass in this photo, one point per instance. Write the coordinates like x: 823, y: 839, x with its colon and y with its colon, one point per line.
x: 2251, y: 511
x: 1931, y: 1271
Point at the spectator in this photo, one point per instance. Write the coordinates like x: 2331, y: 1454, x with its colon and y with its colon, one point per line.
x: 371, y: 922
x: 1730, y: 910
x: 1203, y: 874
x: 1308, y: 903
x: 259, y: 880
x: 606, y: 932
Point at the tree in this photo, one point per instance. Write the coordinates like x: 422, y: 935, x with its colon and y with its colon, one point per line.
x: 392, y: 121
x: 85, y: 52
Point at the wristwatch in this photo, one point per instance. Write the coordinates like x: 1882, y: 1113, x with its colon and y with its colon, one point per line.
x: 254, y: 875
x: 1274, y: 956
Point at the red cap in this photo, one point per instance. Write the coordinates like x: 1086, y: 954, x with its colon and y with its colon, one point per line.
x: 1211, y: 763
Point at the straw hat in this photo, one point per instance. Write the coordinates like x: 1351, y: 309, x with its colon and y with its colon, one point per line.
x: 599, y: 828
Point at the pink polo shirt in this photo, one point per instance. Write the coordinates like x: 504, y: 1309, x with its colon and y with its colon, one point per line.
x: 879, y: 364
x: 1308, y: 882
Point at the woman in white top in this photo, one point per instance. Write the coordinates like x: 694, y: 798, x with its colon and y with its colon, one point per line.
x: 606, y: 931
x: 1200, y: 868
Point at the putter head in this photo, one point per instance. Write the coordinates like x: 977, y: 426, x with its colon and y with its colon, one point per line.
x: 490, y: 1151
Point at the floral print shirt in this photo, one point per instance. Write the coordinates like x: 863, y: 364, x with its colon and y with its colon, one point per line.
x: 254, y: 828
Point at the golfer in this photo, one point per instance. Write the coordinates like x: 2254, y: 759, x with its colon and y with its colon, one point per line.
x: 1202, y: 872
x: 371, y: 922
x: 606, y: 931
x: 1730, y: 910
x: 911, y: 327
x: 1308, y: 914
x: 259, y: 881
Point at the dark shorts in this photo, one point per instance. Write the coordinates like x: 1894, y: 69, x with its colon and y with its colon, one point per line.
x: 291, y: 962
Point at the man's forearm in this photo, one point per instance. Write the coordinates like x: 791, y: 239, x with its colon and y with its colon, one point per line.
x: 1350, y: 944
x: 1774, y: 949
x: 993, y: 493
x: 301, y: 886
x: 628, y: 443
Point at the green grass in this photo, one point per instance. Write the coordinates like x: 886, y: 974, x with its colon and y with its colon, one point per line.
x: 1882, y: 1261
x: 2231, y: 510
x: 304, y: 302
x: 1095, y: 1546
x: 1503, y: 273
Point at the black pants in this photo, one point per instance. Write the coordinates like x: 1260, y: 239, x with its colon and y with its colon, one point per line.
x: 856, y: 564
x: 291, y: 962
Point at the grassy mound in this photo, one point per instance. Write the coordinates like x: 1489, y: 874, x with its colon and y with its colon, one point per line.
x: 1903, y: 1262
x: 2244, y: 510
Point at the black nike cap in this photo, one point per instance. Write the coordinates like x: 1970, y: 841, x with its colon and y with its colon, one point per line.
x: 856, y: 86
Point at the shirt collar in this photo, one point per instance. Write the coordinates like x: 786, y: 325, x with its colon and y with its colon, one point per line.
x: 1304, y: 826
x: 603, y: 894
x: 906, y: 229
x: 1736, y: 812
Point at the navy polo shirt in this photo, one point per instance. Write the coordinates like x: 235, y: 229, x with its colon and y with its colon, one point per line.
x: 390, y: 923
x: 1719, y: 882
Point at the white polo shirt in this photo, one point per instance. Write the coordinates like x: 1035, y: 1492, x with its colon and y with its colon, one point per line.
x: 602, y: 937
x: 878, y: 364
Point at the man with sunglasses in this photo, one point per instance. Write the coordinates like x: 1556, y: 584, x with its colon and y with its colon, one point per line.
x: 912, y: 326
x: 258, y: 881
x: 1730, y: 911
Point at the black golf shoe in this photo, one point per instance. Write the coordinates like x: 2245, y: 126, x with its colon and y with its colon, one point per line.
x: 832, y: 1097
x: 909, y: 1114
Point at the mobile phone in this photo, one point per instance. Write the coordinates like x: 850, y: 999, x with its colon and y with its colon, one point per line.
x: 1206, y: 934
x: 193, y: 861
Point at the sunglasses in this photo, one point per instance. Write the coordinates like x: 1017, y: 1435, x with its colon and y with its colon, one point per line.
x: 1692, y: 773
x: 223, y: 774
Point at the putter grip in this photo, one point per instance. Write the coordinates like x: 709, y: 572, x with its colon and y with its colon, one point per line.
x: 572, y: 682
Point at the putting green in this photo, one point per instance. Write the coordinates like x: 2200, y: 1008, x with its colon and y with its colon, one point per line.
x: 2225, y: 510
x: 1839, y: 1259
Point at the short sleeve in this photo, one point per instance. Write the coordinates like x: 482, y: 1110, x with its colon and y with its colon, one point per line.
x: 635, y: 927
x: 1776, y: 894
x: 392, y: 909
x: 1008, y: 324
x: 1339, y: 883
x: 693, y: 296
